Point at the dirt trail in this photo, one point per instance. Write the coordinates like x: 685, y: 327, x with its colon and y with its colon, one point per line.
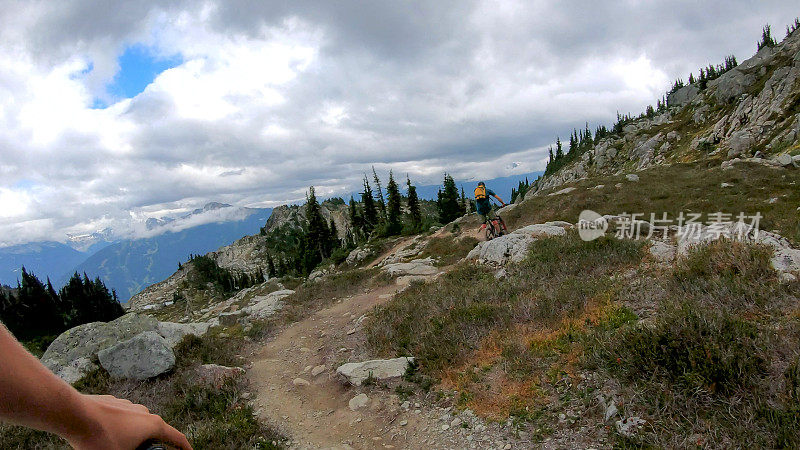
x: 317, y: 414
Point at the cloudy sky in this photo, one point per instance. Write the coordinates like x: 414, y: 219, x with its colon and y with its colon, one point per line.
x: 113, y: 111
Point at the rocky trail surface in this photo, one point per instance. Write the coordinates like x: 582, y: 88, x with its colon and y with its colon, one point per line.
x: 297, y: 389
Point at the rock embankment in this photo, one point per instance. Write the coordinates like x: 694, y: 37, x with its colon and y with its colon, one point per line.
x: 513, y: 247
x: 133, y: 346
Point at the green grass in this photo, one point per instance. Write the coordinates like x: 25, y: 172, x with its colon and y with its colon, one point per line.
x: 441, y: 322
x: 448, y: 249
x: 713, y: 361
x: 688, y: 187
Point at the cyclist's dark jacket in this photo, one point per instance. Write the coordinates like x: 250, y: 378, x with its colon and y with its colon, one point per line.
x: 484, y: 205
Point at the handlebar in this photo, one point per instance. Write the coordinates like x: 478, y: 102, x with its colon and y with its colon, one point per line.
x: 154, y: 444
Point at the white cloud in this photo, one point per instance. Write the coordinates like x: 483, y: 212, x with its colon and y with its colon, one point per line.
x: 271, y: 97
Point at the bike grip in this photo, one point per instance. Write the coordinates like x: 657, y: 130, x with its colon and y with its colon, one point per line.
x: 155, y: 444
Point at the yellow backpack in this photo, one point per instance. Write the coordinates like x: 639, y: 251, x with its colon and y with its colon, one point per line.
x: 480, y: 192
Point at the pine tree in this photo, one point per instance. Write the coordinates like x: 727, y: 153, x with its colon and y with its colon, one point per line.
x: 559, y: 150
x: 379, y: 196
x: 415, y: 216
x: 317, y: 238
x: 271, y: 270
x: 393, y: 224
x: 333, y: 235
x: 463, y: 203
x: 766, y: 38
x: 550, y: 159
x: 370, y: 213
x: 448, y: 201
x: 356, y: 222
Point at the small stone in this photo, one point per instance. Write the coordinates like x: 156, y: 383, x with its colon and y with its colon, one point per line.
x: 445, y: 427
x: 456, y: 422
x: 403, y: 423
x: 318, y: 370
x: 359, y: 401
x: 507, y: 447
x: 351, y: 331
x: 406, y: 404
x: 300, y: 382
x: 305, y: 349
x: 632, y: 177
x: 562, y: 416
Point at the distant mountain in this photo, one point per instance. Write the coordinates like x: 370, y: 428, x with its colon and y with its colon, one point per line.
x: 501, y: 186
x: 131, y: 265
x: 91, y: 242
x: 45, y: 259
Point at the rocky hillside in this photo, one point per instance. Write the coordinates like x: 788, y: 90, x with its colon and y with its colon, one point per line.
x: 752, y: 110
x: 247, y: 255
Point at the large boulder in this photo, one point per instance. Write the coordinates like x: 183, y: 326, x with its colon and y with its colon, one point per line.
x: 358, y: 255
x: 683, y: 95
x: 377, y: 369
x: 266, y: 305
x: 70, y: 355
x: 417, y: 267
x: 513, y: 247
x: 732, y: 84
x: 740, y: 143
x: 174, y: 332
x: 144, y: 356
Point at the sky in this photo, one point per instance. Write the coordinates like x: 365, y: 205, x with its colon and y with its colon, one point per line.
x: 115, y: 111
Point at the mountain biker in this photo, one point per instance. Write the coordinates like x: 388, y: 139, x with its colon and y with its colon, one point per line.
x: 482, y: 203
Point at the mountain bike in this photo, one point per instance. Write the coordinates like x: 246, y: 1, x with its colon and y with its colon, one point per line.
x: 494, y: 227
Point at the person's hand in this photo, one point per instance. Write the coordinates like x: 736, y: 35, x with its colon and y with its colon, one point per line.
x: 118, y: 424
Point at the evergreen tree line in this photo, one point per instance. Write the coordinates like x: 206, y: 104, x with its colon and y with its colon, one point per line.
x: 579, y: 142
x: 520, y: 190
x: 381, y: 212
x: 707, y: 74
x: 791, y: 28
x: 296, y: 251
x: 36, y: 310
x: 208, y: 271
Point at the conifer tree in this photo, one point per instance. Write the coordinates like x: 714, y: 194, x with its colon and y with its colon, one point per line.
x: 393, y: 224
x: 333, y: 235
x: 559, y: 150
x: 447, y: 202
x: 356, y: 222
x: 379, y: 196
x: 317, y: 238
x: 463, y: 202
x: 370, y: 213
x: 271, y: 270
x: 415, y: 216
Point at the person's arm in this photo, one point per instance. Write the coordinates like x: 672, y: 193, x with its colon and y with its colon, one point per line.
x: 499, y: 199
x: 32, y: 396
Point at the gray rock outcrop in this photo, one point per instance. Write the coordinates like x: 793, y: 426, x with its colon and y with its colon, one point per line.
x: 417, y: 267
x: 378, y: 369
x: 70, y: 356
x: 144, y: 356
x: 264, y: 306
x: 513, y: 247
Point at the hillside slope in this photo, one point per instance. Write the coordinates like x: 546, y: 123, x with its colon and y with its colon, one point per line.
x: 751, y: 110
